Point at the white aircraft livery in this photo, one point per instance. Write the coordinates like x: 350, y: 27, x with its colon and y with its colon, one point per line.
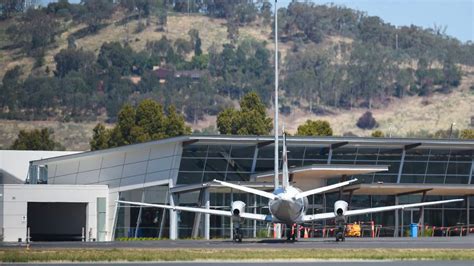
x: 288, y: 205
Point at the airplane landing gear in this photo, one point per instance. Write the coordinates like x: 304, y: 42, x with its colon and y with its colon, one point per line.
x: 237, y: 233
x: 341, y: 232
x: 290, y: 233
x: 291, y: 237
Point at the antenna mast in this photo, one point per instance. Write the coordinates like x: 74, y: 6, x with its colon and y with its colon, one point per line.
x: 275, y: 129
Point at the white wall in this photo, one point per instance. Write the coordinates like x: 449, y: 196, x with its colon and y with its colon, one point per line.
x: 134, y: 167
x: 122, y: 170
x: 15, y: 198
x: 14, y: 164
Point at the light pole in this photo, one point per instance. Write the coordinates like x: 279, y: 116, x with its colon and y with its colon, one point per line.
x: 277, y: 226
x: 276, y: 98
x: 451, y: 129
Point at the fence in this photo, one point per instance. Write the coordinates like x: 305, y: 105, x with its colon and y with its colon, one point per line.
x: 370, y: 229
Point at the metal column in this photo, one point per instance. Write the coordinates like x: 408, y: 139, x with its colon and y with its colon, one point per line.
x: 163, y: 216
x: 400, y: 169
x: 254, y: 211
x: 421, y: 219
x: 397, y: 225
x: 469, y: 181
x: 468, y: 206
x: 207, y: 216
x: 329, y: 155
x: 402, y: 233
x: 197, y: 215
x: 231, y: 222
x: 223, y: 217
x: 173, y: 217
x: 139, y: 218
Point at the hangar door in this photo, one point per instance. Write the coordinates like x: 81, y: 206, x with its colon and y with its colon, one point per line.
x: 56, y: 221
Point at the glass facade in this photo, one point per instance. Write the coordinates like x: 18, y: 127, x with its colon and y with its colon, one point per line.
x: 135, y: 221
x: 237, y: 162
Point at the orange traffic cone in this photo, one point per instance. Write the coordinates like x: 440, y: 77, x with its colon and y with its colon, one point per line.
x: 306, y: 233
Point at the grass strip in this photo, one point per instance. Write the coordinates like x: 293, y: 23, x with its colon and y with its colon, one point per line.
x: 97, y: 255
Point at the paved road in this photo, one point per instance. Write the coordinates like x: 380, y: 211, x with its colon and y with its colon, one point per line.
x: 315, y: 263
x: 431, y: 242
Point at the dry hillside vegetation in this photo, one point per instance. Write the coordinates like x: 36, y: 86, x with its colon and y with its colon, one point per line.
x: 401, y: 116
x: 211, y: 30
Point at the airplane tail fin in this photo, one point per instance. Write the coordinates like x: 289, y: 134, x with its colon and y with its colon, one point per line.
x: 285, y: 175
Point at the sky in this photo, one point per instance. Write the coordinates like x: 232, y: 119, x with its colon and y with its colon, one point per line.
x: 456, y: 15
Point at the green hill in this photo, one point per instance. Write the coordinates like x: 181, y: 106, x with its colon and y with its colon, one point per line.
x: 82, y: 63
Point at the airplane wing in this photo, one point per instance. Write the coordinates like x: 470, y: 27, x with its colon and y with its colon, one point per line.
x: 319, y: 216
x: 245, y: 215
x: 397, y: 207
x: 329, y: 215
x: 324, y: 189
x: 247, y: 189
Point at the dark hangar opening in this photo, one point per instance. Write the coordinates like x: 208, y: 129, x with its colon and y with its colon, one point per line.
x: 56, y: 221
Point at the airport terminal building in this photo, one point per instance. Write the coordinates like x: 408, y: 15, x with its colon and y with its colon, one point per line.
x: 80, y: 190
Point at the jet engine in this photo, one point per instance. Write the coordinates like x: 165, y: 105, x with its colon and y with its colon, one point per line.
x: 340, y: 208
x: 237, y: 208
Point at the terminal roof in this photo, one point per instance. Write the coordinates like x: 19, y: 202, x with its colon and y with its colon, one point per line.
x: 324, y: 171
x: 407, y: 189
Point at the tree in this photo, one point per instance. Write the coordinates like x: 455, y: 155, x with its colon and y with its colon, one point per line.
x: 377, y: 134
x: 126, y: 121
x: 183, y: 47
x: 367, y: 121
x: 71, y: 59
x: 9, y: 7
x: 100, y: 138
x: 34, y: 32
x: 113, y: 54
x: 232, y: 30
x: 315, y: 128
x: 40, y: 94
x: 196, y: 41
x: 10, y: 88
x: 97, y: 12
x: 266, y: 12
x: 150, y: 117
x: 251, y: 119
x: 36, y: 140
x: 369, y: 69
x: 76, y: 95
x: 227, y: 121
x: 467, y: 134
x: 175, y: 125
x: 135, y: 125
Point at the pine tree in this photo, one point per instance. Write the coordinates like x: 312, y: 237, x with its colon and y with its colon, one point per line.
x: 315, y: 128
x: 135, y: 125
x: 38, y: 140
x: 100, y: 138
x: 175, y: 125
x: 250, y: 120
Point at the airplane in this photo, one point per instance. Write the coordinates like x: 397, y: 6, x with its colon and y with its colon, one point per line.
x: 288, y: 205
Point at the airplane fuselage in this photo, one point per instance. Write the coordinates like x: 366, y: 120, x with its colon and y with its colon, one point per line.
x: 286, y: 208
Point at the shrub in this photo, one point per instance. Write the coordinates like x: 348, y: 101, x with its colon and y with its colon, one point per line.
x: 377, y: 134
x: 428, y: 232
x: 367, y: 121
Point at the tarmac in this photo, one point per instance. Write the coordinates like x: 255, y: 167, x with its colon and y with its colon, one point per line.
x: 312, y: 243
x: 273, y: 263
